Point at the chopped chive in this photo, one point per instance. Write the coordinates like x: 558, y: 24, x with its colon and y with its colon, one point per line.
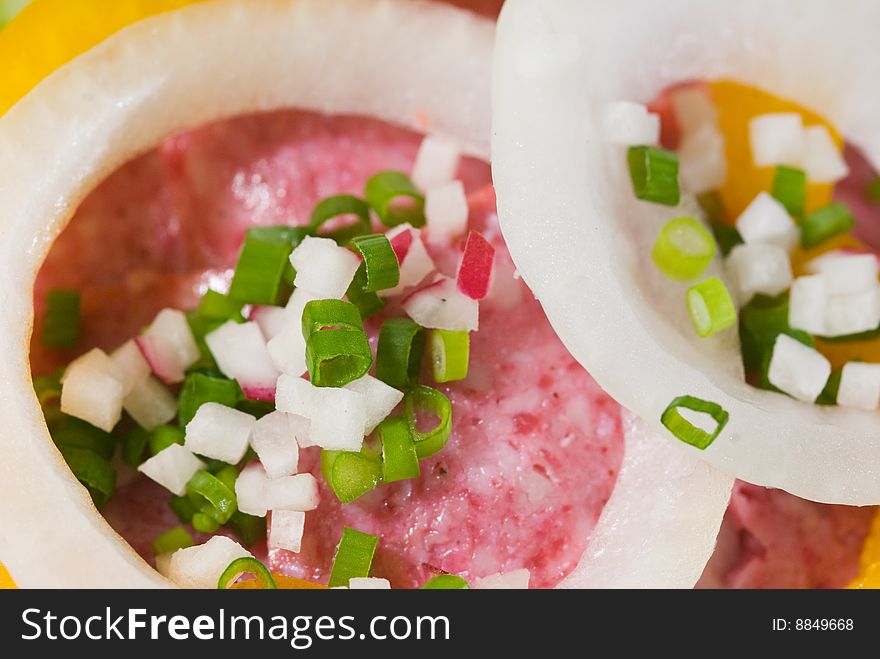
x: 94, y: 472
x: 261, y: 265
x: 246, y: 565
x: 256, y: 408
x: 353, y: 558
x: 215, y: 499
x: 710, y: 307
x: 338, y: 356
x: 176, y: 538
x: 684, y: 429
x: 61, y: 319
x: 421, y: 400
x: 399, y: 352
x: 380, y: 262
x: 350, y: 474
x: 219, y: 306
x: 134, y: 444
x: 654, y: 174
x: 446, y: 582
x: 183, y: 507
x: 825, y: 223
x: 450, y: 354
x: 396, y: 199
x: 204, y: 523
x: 683, y: 249
x: 247, y: 528
x: 829, y: 393
x: 199, y: 388
x: 48, y: 388
x: 367, y: 303
x: 790, y: 189
x: 338, y: 206
x: 400, y: 461
x: 70, y: 432
x: 873, y: 190
x: 712, y: 205
x: 162, y: 437
x: 726, y: 236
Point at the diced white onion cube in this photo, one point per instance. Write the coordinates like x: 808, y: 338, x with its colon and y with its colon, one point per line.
x: 436, y: 162
x: 130, y: 365
x: 92, y: 390
x: 286, y: 530
x: 297, y: 492
x: 417, y: 263
x: 446, y: 210
x: 628, y: 123
x: 168, y: 345
x: 288, y: 347
x: 859, y: 386
x: 150, y: 403
x: 777, y: 139
x: 846, y: 273
x: 172, y: 467
x: 273, y: 440
x: 241, y: 354
x: 381, y: 399
x: 702, y: 160
x: 337, y: 417
x: 440, y: 305
x: 250, y: 490
x: 823, y: 161
x: 798, y: 370
x: 201, y: 566
x: 369, y: 583
x: 504, y: 580
x: 759, y: 268
x: 269, y: 318
x: 807, y: 304
x: 765, y: 220
x: 694, y: 109
x: 853, y: 313
x: 323, y: 268
x: 219, y: 432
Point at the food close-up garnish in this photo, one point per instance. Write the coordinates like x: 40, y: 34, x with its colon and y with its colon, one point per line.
x: 497, y: 302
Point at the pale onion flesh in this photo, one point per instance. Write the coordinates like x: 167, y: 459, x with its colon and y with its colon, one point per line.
x: 580, y: 238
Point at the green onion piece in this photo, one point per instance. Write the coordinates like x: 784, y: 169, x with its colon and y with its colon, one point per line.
x: 790, y: 189
x: 183, y: 507
x: 260, y: 268
x: 329, y: 314
x: 425, y: 400
x: 94, y: 472
x: 710, y: 307
x: 399, y: 353
x: 61, y: 320
x: 396, y: 199
x: 380, y: 262
x: 204, y: 523
x: 199, y: 388
x: 247, y: 528
x: 446, y: 582
x: 654, y: 174
x: 450, y: 354
x: 683, y: 249
x: 227, y: 474
x: 242, y: 566
x: 350, y: 474
x: 134, y: 443
x: 829, y: 393
x: 219, y: 306
x: 726, y: 236
x: 684, y: 429
x: 336, y: 357
x: 873, y: 190
x: 366, y: 303
x: 256, y: 408
x: 400, y: 460
x: 215, y: 498
x: 162, y: 437
x: 70, y: 432
x: 353, y: 558
x: 712, y: 205
x: 48, y: 388
x: 176, y: 538
x: 338, y: 206
x: 825, y: 223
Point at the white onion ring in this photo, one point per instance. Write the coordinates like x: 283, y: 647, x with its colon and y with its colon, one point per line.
x: 580, y: 238
x: 195, y: 66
